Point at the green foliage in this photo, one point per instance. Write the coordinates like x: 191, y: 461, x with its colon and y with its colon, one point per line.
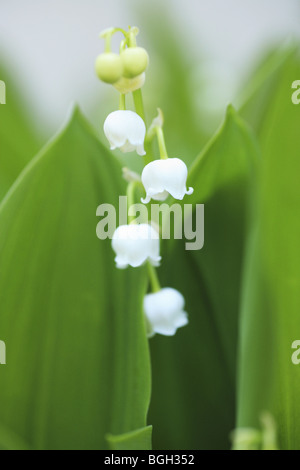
x: 259, y: 93
x: 271, y: 302
x: 78, y: 364
x: 140, y: 439
x: 18, y: 142
x: 193, y: 404
x: 78, y: 372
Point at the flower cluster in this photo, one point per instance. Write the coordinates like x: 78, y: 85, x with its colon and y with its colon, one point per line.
x: 125, y: 71
x: 138, y: 244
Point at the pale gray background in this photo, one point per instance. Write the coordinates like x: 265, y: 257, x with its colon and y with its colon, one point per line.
x: 51, y: 45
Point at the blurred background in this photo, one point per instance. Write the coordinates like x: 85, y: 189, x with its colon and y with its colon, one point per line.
x: 51, y: 46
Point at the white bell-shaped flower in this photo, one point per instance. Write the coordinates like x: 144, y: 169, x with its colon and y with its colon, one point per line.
x: 134, y: 244
x: 163, y: 177
x: 125, y: 130
x: 164, y: 312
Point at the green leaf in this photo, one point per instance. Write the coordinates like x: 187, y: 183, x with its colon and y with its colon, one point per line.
x: 193, y: 405
x: 10, y: 441
x: 77, y: 354
x: 18, y: 141
x: 135, y: 440
x: 268, y: 380
x: 228, y: 157
x: 260, y: 90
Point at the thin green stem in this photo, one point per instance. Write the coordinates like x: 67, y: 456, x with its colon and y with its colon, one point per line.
x: 132, y: 40
x: 123, y: 45
x: 132, y: 37
x: 140, y: 110
x: 139, y: 104
x: 107, y: 47
x: 151, y: 133
x: 130, y: 198
x: 154, y: 281
x: 107, y: 34
x: 122, y: 102
x: 161, y: 143
x: 120, y: 30
x: 112, y: 31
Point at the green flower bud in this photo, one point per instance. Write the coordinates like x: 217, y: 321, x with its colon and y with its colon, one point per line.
x: 135, y: 61
x: 109, y: 67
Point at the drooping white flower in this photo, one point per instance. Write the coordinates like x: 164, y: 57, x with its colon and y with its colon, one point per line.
x: 134, y: 244
x: 125, y: 130
x: 163, y: 177
x: 164, y: 312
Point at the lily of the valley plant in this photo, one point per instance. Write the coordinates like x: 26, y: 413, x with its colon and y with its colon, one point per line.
x: 137, y: 244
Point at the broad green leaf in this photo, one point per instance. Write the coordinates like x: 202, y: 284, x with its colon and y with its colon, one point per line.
x: 77, y: 354
x: 10, y: 441
x: 18, y: 143
x: 259, y: 92
x: 135, y: 440
x: 193, y: 404
x: 268, y: 380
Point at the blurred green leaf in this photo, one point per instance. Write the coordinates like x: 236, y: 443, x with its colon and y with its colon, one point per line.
x: 193, y: 405
x: 10, y: 441
x: 77, y: 354
x: 271, y: 304
x: 260, y: 90
x: 137, y: 440
x: 18, y: 142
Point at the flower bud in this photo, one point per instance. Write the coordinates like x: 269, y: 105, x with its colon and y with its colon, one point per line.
x: 164, y: 311
x: 135, y: 61
x: 135, y: 244
x: 109, y: 67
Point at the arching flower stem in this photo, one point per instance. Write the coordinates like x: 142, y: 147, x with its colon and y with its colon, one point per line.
x: 123, y: 45
x: 156, y: 129
x: 108, y: 33
x: 154, y: 281
x: 161, y: 143
x: 130, y: 198
x: 140, y: 110
x: 139, y: 104
x: 132, y: 34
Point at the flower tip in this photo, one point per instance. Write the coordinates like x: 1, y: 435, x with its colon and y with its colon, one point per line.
x: 156, y: 262
x: 120, y: 264
x: 190, y: 191
x: 141, y: 152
